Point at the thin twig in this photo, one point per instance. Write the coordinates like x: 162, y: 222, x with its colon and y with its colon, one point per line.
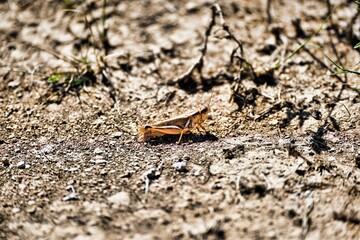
x: 200, y: 60
x: 283, y: 55
x: 350, y: 32
x: 308, y: 208
x: 239, y: 50
x: 232, y: 36
x: 322, y: 64
x: 268, y: 11
x: 216, y: 11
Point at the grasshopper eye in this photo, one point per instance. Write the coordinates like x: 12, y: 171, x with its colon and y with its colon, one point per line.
x: 147, y: 127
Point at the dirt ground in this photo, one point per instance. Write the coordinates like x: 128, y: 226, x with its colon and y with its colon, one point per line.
x: 280, y: 159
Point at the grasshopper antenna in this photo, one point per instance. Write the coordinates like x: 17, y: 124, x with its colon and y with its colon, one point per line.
x: 211, y: 103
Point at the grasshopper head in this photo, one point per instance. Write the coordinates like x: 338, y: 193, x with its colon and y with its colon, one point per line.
x: 204, y: 112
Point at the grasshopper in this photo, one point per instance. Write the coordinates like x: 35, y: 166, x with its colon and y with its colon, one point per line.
x: 177, y: 125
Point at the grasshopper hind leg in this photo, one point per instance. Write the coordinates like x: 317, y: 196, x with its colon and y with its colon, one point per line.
x: 181, y: 135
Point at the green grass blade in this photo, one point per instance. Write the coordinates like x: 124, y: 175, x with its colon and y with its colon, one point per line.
x: 344, y: 70
x: 311, y: 37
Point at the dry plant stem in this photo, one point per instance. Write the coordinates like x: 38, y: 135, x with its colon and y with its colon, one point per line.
x: 328, y: 6
x: 147, y: 184
x: 333, y: 73
x: 57, y: 55
x: 32, y: 72
x: 104, y: 33
x: 337, y: 55
x: 216, y: 10
x: 81, y: 105
x: 283, y: 55
x: 322, y: 63
x: 334, y: 28
x: 151, y: 174
x: 268, y: 11
x: 200, y: 61
x: 88, y: 26
x: 239, y: 49
x: 329, y: 13
x: 238, y: 42
x: 350, y: 32
x: 308, y: 208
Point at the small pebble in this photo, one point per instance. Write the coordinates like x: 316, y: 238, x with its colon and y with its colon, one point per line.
x: 273, y: 122
x: 15, y: 210
x: 191, y: 7
x: 21, y: 165
x: 89, y: 169
x: 116, y: 134
x: 71, y: 196
x: 14, y: 84
x: 180, y: 166
x: 98, y: 151
x: 31, y: 209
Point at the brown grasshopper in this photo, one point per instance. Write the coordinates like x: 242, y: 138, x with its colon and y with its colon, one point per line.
x: 177, y: 125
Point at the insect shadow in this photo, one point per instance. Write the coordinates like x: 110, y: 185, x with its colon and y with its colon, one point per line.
x: 187, y: 138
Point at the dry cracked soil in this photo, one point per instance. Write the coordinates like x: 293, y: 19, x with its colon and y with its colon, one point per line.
x: 281, y: 155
